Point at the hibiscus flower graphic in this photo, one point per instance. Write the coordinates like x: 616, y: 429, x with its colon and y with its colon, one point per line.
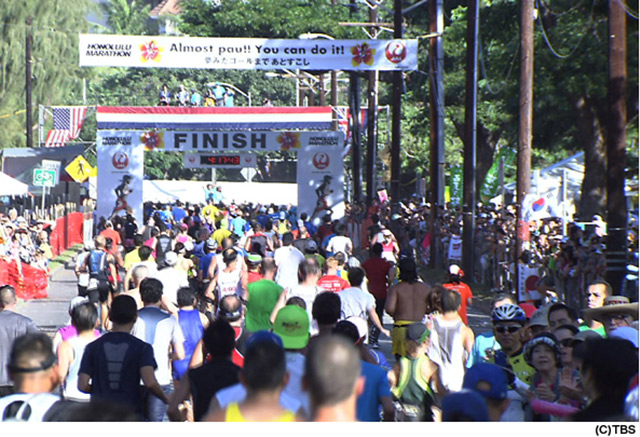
x: 362, y: 53
x: 289, y: 140
x: 152, y: 140
x: 150, y: 52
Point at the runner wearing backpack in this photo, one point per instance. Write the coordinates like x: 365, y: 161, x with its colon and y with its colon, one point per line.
x: 102, y: 277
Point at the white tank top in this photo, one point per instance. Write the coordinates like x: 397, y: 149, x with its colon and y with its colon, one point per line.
x: 70, y: 386
x: 229, y: 283
x: 448, y: 352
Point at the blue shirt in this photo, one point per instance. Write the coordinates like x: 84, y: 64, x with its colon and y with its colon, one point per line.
x: 485, y: 341
x: 178, y: 214
x: 376, y: 386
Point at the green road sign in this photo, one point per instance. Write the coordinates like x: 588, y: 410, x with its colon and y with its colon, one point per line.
x: 43, y: 177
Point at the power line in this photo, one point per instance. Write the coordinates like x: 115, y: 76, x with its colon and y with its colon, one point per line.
x: 628, y: 10
x: 548, y: 42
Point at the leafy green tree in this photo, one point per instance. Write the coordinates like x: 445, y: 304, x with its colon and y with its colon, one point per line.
x: 56, y: 76
x: 127, y: 17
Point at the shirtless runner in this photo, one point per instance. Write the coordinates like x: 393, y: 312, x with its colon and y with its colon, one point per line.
x: 407, y: 302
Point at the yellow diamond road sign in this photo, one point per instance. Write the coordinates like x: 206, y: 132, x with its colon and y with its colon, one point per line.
x: 79, y: 169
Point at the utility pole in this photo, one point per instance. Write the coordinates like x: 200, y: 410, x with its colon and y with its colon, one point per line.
x: 354, y: 107
x: 28, y: 85
x: 436, y: 105
x: 523, y: 181
x: 356, y: 152
x: 372, y: 122
x: 396, y: 112
x: 616, y: 143
x: 470, y: 137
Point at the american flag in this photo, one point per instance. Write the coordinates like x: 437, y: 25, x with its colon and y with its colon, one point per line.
x: 67, y: 122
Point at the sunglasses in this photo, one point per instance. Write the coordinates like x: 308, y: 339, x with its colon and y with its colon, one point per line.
x: 510, y: 329
x: 566, y: 342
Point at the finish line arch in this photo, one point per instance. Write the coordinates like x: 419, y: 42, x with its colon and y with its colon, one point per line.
x: 320, y: 173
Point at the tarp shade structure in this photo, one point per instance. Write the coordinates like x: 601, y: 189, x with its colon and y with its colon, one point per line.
x: 12, y: 187
x: 214, y: 118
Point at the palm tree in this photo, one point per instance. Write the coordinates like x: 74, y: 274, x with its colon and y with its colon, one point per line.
x: 127, y: 17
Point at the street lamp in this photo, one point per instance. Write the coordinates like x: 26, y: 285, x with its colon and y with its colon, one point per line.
x: 233, y: 87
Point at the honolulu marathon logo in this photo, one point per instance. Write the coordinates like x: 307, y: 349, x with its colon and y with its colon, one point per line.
x: 150, y: 51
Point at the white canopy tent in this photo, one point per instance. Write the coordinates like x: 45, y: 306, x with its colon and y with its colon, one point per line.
x: 12, y: 187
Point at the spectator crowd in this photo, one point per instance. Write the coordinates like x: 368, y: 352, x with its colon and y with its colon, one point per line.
x: 224, y: 312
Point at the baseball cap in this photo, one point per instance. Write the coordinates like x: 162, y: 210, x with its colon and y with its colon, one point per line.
x: 487, y: 379
x: 587, y: 334
x: 538, y: 318
x: 418, y: 332
x: 626, y: 333
x: 77, y: 301
x: 312, y: 245
x: 464, y: 406
x: 171, y: 258
x: 454, y: 269
x: 260, y: 336
x: 254, y: 258
x: 212, y: 244
x: 292, y: 325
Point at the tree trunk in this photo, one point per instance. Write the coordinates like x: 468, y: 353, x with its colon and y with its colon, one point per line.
x: 590, y: 134
x: 486, y: 143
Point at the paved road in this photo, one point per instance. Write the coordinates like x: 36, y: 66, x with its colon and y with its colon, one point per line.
x: 52, y: 312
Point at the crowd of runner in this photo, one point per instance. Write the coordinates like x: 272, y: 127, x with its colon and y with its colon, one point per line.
x: 223, y: 312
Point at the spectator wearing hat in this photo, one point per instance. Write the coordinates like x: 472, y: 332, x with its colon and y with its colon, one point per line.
x: 408, y: 302
x: 617, y: 311
x: 417, y: 371
x: 538, y: 322
x: 543, y: 353
x: 490, y: 381
x: 455, y: 283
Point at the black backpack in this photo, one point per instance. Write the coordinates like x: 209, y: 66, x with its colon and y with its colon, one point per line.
x: 162, y: 247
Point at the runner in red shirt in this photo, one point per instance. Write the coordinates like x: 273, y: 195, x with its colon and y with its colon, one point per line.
x: 380, y: 274
x: 109, y: 232
x: 331, y: 281
x: 455, y: 283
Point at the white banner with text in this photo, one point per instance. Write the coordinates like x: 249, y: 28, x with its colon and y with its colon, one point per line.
x: 101, y: 50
